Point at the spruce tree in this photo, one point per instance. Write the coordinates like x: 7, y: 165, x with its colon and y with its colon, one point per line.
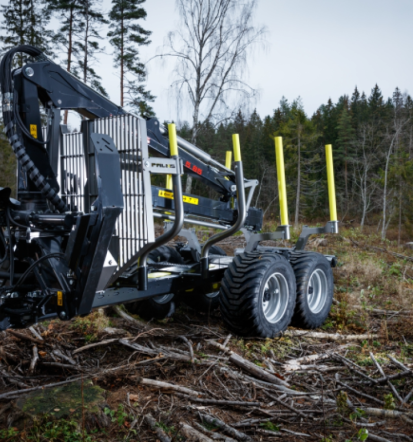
x: 345, y: 140
x: 126, y: 36
x: 25, y: 22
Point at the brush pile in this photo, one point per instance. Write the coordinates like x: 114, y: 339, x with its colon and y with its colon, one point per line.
x: 185, y: 381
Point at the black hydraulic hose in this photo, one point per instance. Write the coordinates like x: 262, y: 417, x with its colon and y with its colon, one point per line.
x: 10, y: 117
x: 6, y: 247
x: 11, y: 250
x: 30, y: 268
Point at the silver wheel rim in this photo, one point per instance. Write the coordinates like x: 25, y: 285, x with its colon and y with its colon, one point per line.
x: 317, y: 291
x: 275, y: 298
x: 163, y: 299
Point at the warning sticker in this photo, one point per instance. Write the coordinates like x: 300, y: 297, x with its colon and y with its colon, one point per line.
x: 60, y: 299
x: 186, y: 199
x: 33, y: 130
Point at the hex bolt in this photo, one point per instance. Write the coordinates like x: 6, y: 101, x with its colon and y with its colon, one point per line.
x: 29, y: 72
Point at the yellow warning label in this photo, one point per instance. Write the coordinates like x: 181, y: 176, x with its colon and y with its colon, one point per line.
x: 33, y: 130
x: 60, y: 299
x: 186, y: 199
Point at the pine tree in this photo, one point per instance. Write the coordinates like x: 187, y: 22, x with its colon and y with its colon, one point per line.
x: 87, y: 46
x: 126, y: 36
x: 68, y: 13
x: 25, y: 22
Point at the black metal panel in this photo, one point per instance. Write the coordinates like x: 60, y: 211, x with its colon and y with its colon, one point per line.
x: 200, y: 206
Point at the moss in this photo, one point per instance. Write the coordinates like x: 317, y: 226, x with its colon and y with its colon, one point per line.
x: 64, y: 401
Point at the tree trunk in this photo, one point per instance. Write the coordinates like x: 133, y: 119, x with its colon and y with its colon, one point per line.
x: 383, y: 230
x: 297, y: 201
x: 400, y: 213
x: 69, y: 52
x: 188, y: 187
x: 85, y: 58
x: 121, y: 61
x: 346, y: 177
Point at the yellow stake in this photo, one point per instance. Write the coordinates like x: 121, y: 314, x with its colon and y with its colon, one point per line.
x: 237, y: 148
x: 331, y: 185
x: 282, y: 188
x: 173, y: 142
x: 168, y: 184
x: 228, y: 159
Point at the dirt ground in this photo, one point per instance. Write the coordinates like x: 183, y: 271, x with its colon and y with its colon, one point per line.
x: 187, y: 378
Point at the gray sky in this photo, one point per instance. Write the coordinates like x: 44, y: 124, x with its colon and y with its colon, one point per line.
x: 317, y: 49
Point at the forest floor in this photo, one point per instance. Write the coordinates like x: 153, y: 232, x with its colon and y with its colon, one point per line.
x: 187, y: 379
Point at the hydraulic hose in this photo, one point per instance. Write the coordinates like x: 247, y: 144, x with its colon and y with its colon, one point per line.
x: 10, y: 130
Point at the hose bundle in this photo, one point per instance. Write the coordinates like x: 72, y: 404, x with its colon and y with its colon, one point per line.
x: 10, y: 117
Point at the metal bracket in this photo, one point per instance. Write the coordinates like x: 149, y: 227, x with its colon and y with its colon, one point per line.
x: 330, y: 227
x: 167, y: 166
x: 253, y: 239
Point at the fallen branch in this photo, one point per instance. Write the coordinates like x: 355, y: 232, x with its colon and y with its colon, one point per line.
x: 212, y: 435
x: 252, y: 368
x: 95, y: 344
x: 24, y: 336
x: 118, y: 309
x: 192, y: 434
x: 226, y: 428
x: 333, y: 337
x: 220, y: 401
x: 167, y: 386
x: 160, y: 434
x: 34, y: 360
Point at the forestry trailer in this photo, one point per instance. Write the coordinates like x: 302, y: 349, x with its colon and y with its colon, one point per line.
x: 80, y: 233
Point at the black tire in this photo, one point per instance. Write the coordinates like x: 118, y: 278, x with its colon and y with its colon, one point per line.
x: 165, y: 254
x: 204, y: 301
x: 313, y: 301
x: 161, y: 306
x: 216, y: 250
x: 244, y: 289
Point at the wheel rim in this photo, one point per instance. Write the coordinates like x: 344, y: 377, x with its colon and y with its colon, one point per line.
x: 163, y: 299
x: 212, y: 295
x: 317, y: 291
x: 275, y: 298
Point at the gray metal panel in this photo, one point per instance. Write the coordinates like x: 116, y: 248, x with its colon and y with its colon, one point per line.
x: 135, y: 226
x: 73, y: 171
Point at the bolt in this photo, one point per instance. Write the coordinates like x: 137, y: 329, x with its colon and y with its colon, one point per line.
x: 147, y: 163
x: 110, y: 262
x: 29, y: 72
x: 59, y: 101
x: 62, y: 315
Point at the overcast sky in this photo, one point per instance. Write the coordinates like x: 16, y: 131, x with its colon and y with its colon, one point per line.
x: 316, y: 49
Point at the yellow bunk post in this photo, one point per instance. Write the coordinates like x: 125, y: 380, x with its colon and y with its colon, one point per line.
x: 330, y: 180
x: 228, y: 160
x: 331, y: 187
x: 173, y: 148
x: 282, y: 188
x: 236, y: 147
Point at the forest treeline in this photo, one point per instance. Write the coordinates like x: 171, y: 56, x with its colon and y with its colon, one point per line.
x: 372, y: 136
x: 372, y: 140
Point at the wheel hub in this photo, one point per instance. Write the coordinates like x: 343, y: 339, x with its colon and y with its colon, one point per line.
x: 275, y: 297
x: 317, y: 292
